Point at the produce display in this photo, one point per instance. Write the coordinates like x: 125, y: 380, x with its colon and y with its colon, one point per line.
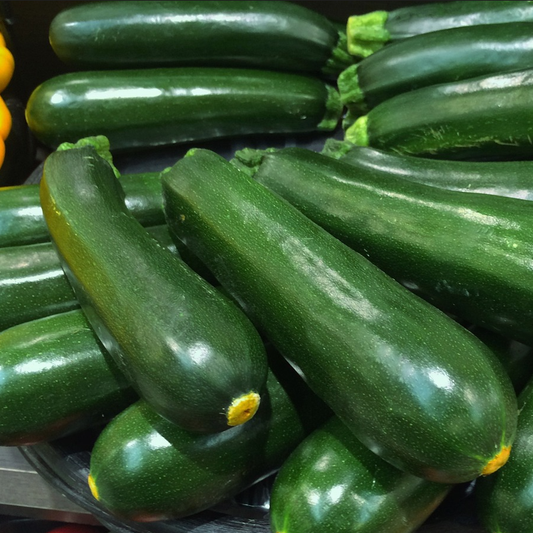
x: 352, y: 323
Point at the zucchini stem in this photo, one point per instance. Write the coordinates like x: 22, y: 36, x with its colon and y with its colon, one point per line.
x: 367, y: 33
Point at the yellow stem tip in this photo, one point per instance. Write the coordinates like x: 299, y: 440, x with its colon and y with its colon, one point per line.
x: 497, y: 461
x: 243, y: 408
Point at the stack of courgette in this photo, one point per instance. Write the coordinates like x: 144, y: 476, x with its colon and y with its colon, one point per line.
x: 358, y: 319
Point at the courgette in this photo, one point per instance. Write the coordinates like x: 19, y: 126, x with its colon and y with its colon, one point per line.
x: 139, y: 108
x: 436, y: 57
x: 333, y: 483
x: 369, y: 32
x: 467, y: 254
x: 188, y: 351
x: 267, y: 35
x: 482, y: 117
x: 410, y: 382
x: 56, y: 379
x: 144, y: 468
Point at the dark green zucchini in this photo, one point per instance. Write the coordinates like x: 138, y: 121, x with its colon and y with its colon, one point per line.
x: 33, y: 284
x: 132, y: 34
x: 188, y: 351
x: 483, y: 117
x: 411, y: 383
x: 333, y: 483
x: 55, y: 379
x: 468, y: 254
x: 177, y: 473
x: 140, y: 108
x: 436, y: 57
x: 504, y: 502
x: 368, y: 32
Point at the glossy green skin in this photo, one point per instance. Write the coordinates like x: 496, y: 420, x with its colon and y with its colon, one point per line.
x: 468, y: 254
x: 412, y: 384
x: 333, y: 483
x: 487, y: 116
x: 269, y: 35
x: 504, y: 498
x: 33, y: 283
x: 188, y: 350
x: 141, y: 108
x: 56, y: 379
x: 500, y: 178
x: 445, y: 56
x: 21, y: 216
x: 147, y: 469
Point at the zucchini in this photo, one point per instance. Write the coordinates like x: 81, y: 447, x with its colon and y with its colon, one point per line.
x: 468, y: 254
x: 56, y: 379
x: 436, y: 57
x: 33, y: 284
x: 332, y: 482
x: 369, y: 32
x: 483, y: 117
x: 411, y: 383
x: 266, y: 35
x: 139, y: 108
x: 175, y: 473
x: 505, y: 503
x: 188, y: 351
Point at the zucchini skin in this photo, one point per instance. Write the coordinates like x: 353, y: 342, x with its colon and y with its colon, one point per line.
x: 486, y: 116
x: 182, y: 473
x: 332, y: 482
x: 187, y: 350
x: 500, y: 178
x: 34, y: 284
x: 140, y: 108
x: 328, y: 311
x: 36, y: 357
x: 468, y: 254
x: 22, y: 217
x: 267, y: 35
x: 438, y: 57
x: 504, y: 502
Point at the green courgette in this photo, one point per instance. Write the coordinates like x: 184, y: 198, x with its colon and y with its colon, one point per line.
x: 436, y: 57
x: 139, y: 108
x: 482, y: 117
x: 468, y: 254
x: 132, y: 34
x: 33, y: 284
x: 56, y: 379
x: 144, y: 468
x: 189, y: 351
x: 504, y: 503
x: 411, y: 383
x: 333, y: 483
x: 369, y: 32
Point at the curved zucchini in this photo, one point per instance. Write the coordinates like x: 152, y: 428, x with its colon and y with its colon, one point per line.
x: 152, y: 107
x: 33, y: 284
x: 268, y: 35
x: 332, y: 482
x: 177, y: 473
x: 504, y: 502
x: 468, y: 254
x: 55, y: 379
x: 437, y: 57
x: 369, y: 32
x: 410, y: 382
x: 188, y: 351
x: 486, y: 116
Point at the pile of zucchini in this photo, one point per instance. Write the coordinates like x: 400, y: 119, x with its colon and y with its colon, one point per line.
x: 357, y: 320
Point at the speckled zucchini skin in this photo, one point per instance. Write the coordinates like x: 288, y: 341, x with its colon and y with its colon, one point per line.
x: 412, y: 384
x: 333, y: 483
x: 188, y: 350
x: 468, y: 254
x: 177, y: 473
x: 55, y: 379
